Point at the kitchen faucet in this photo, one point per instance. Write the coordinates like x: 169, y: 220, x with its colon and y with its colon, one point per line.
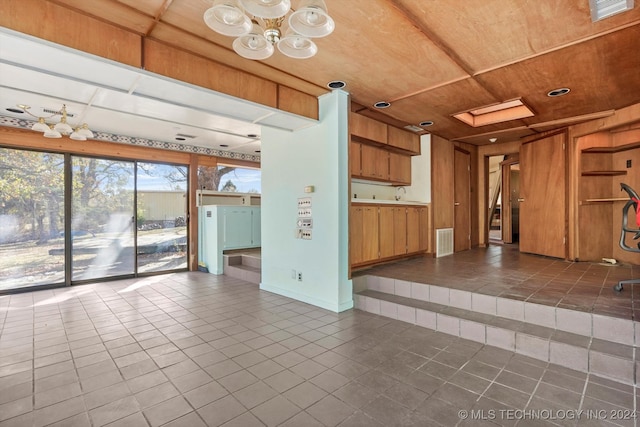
x: 398, y: 196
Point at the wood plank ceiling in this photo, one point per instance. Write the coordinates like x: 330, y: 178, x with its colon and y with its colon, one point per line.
x: 432, y: 59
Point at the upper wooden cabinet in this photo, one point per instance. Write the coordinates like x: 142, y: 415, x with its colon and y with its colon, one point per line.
x: 374, y: 162
x: 404, y: 140
x: 364, y: 127
x: 400, y: 168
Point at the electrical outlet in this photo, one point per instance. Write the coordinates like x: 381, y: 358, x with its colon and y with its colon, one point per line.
x: 306, y: 234
x: 293, y: 274
x: 628, y: 164
x: 304, y: 202
x: 299, y: 276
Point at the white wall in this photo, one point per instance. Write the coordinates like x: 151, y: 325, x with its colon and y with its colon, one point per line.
x: 316, y: 156
x: 418, y: 191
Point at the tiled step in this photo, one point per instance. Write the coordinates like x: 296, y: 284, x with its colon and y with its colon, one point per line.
x: 242, y: 266
x: 590, y: 343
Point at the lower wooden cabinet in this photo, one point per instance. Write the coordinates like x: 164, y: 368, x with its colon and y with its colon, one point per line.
x: 413, y: 229
x: 383, y: 232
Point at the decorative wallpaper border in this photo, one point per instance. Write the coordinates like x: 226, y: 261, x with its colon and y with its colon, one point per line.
x: 122, y: 139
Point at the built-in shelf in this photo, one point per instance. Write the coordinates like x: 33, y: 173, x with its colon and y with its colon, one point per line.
x: 603, y: 173
x: 617, y: 149
x: 604, y: 200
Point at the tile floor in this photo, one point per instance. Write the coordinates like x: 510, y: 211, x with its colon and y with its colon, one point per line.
x: 193, y: 349
x: 503, y: 271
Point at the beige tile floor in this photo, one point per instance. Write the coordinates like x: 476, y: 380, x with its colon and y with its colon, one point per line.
x: 193, y: 349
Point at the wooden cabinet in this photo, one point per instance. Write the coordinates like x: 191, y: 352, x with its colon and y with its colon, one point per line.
x: 370, y: 233
x: 355, y: 160
x: 374, y: 162
x: 413, y: 230
x: 356, y: 235
x: 399, y: 230
x: 425, y: 230
x: 380, y: 152
x: 404, y: 140
x: 364, y: 127
x: 363, y: 234
x: 384, y: 232
x: 400, y: 168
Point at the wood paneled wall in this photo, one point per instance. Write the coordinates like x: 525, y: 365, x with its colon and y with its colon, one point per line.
x: 49, y: 21
x: 442, y: 181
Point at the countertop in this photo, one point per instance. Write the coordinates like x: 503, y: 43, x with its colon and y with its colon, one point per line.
x: 389, y: 202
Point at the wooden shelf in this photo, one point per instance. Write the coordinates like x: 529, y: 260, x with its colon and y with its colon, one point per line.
x: 612, y: 149
x: 603, y: 173
x: 604, y: 200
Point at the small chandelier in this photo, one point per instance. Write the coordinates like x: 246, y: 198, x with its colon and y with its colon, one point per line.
x: 257, y: 24
x: 79, y: 133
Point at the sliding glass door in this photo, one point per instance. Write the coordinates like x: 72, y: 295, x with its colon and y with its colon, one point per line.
x: 102, y: 218
x: 162, y: 212
x: 31, y: 219
x: 67, y: 219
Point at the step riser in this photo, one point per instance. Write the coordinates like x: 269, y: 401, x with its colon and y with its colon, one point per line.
x: 571, y: 356
x: 622, y: 331
x: 240, y: 273
x: 251, y: 261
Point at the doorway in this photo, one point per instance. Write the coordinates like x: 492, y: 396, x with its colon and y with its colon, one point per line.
x: 503, y: 201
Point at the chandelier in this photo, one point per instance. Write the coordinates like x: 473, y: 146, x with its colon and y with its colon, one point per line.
x: 257, y: 26
x: 79, y: 133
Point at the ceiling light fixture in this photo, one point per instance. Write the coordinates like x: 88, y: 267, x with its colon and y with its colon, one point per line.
x: 558, y: 92
x: 336, y: 84
x: 257, y: 26
x: 78, y: 133
x: 426, y: 123
x: 382, y: 104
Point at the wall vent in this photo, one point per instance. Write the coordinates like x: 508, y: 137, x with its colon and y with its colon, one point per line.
x: 184, y: 135
x: 601, y: 9
x: 58, y: 112
x: 414, y: 128
x: 444, y: 242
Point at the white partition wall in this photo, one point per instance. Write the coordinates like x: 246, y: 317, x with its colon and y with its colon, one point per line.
x: 306, y: 260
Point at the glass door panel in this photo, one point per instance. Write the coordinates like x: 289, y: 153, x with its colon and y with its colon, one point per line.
x: 31, y: 219
x: 161, y: 213
x: 102, y: 218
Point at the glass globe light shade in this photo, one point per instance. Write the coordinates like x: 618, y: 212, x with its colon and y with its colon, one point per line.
x: 41, y: 126
x: 312, y: 19
x: 52, y: 133
x: 85, y: 131
x: 296, y: 46
x: 227, y: 18
x: 253, y: 45
x: 267, y: 9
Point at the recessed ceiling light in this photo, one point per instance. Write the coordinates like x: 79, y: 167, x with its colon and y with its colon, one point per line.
x: 224, y: 145
x: 493, y: 139
x: 559, y: 92
x: 336, y: 84
x: 181, y: 139
x: 252, y: 135
x: 15, y: 110
x: 426, y: 123
x: 382, y: 104
x: 257, y: 151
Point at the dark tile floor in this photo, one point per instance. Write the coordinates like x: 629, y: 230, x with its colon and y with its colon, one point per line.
x: 194, y: 349
x: 503, y: 271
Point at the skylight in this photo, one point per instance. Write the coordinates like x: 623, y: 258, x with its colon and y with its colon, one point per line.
x: 495, y: 113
